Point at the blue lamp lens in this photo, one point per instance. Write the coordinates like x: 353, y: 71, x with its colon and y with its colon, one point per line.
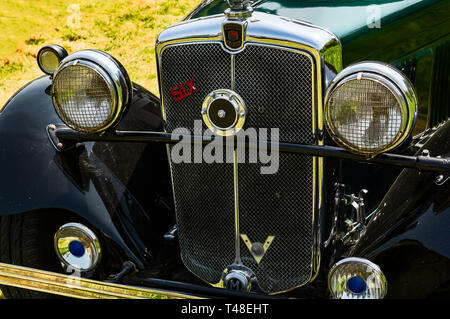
x: 76, y: 248
x: 357, y: 285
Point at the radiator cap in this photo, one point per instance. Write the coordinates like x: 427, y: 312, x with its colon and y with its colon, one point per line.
x: 224, y: 112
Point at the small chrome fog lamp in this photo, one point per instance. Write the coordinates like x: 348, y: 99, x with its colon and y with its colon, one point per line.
x: 357, y: 278
x: 370, y: 108
x: 49, y: 57
x: 90, y: 91
x: 77, y: 247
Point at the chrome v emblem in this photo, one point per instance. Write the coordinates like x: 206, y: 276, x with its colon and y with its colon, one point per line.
x: 258, y: 250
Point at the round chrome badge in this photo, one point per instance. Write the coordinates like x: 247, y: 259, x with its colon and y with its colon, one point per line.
x: 224, y: 112
x: 237, y: 280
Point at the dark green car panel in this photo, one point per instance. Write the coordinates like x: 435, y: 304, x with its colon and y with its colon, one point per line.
x: 353, y: 19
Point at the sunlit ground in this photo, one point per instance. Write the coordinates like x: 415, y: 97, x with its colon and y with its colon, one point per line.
x: 126, y: 29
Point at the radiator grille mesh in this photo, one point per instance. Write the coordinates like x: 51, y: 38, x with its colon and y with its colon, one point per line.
x: 204, y: 194
x: 205, y: 205
x: 210, y: 69
x: 276, y: 87
x: 278, y: 205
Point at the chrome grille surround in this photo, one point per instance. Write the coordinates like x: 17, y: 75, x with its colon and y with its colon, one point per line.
x: 322, y: 50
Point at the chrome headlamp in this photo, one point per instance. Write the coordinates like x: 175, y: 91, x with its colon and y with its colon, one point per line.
x: 90, y: 91
x: 357, y: 278
x: 370, y: 108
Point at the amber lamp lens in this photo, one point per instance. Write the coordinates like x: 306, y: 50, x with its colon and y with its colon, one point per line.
x: 49, y: 61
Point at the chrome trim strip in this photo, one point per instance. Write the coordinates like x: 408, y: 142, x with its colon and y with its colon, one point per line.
x: 236, y: 208
x: 235, y: 175
x: 70, y: 286
x: 233, y: 73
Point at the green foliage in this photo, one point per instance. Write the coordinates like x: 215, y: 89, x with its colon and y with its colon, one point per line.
x: 71, y: 36
x: 34, y: 41
x: 127, y: 17
x: 10, y: 67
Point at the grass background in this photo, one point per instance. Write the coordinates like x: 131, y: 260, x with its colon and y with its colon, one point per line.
x: 127, y: 29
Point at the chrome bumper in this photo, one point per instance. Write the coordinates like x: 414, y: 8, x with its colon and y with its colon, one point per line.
x: 75, y: 287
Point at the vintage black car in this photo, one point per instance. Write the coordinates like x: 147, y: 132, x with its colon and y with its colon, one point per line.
x: 298, y: 149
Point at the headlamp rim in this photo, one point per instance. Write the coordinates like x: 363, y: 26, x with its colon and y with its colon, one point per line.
x: 390, y: 77
x: 115, y: 101
x: 391, y: 87
x: 116, y: 74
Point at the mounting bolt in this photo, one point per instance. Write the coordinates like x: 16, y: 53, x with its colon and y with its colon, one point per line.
x: 425, y: 152
x: 52, y: 127
x: 439, y: 178
x: 221, y: 114
x: 60, y: 145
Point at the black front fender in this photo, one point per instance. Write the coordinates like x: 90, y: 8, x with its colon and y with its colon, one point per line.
x: 416, y: 209
x: 92, y: 180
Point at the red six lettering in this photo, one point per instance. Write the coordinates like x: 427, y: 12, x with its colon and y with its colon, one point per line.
x: 181, y: 91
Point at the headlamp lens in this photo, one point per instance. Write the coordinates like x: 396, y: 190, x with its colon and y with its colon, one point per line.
x: 366, y: 115
x: 84, y: 98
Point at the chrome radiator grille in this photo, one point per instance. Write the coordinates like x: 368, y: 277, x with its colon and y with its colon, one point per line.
x: 277, y: 87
